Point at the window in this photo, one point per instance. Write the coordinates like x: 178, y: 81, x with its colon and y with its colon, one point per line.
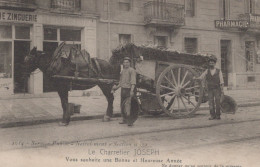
x: 190, y: 8
x: 125, y: 5
x: 52, y: 38
x: 71, y: 5
x: 50, y: 34
x: 250, y: 6
x: 124, y: 39
x: 70, y: 35
x: 22, y: 32
x: 224, y: 9
x: 250, y: 55
x: 5, y: 59
x: 5, y: 32
x: 160, y: 41
x: 191, y: 45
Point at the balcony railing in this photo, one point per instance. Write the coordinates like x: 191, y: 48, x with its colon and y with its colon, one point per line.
x: 66, y: 5
x: 164, y: 14
x: 27, y: 5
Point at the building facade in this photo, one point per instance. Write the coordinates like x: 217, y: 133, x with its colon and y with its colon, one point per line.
x: 44, y: 24
x: 226, y: 28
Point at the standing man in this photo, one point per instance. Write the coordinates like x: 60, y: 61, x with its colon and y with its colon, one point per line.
x: 215, y: 85
x: 127, y: 83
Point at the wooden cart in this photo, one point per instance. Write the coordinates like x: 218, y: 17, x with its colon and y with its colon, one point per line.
x: 166, y: 79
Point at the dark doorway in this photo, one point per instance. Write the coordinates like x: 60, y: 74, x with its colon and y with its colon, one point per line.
x: 48, y: 48
x: 21, y: 49
x: 225, y: 57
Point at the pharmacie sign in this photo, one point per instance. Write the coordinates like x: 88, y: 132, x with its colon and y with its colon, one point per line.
x: 254, y: 21
x: 231, y: 23
x: 16, y: 16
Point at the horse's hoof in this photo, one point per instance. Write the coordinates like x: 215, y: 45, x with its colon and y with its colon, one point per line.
x: 106, y: 118
x: 63, y: 124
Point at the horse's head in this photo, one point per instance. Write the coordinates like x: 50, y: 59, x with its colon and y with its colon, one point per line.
x: 31, y: 61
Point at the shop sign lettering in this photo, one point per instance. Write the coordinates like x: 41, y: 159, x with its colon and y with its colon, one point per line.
x: 254, y: 21
x: 231, y: 24
x: 20, y: 17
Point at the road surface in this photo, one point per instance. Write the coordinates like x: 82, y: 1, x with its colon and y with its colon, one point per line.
x: 233, y: 141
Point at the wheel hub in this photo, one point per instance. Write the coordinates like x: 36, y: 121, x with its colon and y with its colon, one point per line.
x: 178, y: 91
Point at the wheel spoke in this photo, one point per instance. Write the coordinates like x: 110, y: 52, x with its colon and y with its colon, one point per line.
x: 192, y: 87
x: 189, y: 101
x: 168, y: 94
x: 185, y: 84
x: 171, y: 102
x: 184, y: 78
x: 179, y: 76
x: 173, y: 106
x: 184, y: 104
x: 169, y: 82
x: 178, y: 104
x: 167, y: 88
x: 173, y: 77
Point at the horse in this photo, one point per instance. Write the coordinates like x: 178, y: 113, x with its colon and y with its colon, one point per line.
x: 108, y: 70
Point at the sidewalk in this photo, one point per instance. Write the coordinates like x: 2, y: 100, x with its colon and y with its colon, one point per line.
x: 25, y: 110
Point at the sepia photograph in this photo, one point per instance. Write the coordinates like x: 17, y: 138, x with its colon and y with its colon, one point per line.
x: 129, y: 83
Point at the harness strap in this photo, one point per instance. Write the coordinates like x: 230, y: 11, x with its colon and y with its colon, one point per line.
x: 98, y: 68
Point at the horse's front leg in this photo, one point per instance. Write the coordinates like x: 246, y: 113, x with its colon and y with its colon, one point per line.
x: 106, y: 89
x: 63, y: 93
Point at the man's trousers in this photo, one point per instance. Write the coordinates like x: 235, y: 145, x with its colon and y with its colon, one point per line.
x: 214, y: 102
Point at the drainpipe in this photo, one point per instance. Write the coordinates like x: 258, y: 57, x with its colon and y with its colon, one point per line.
x: 109, y: 28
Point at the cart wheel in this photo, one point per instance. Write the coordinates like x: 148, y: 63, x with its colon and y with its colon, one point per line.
x: 177, y: 92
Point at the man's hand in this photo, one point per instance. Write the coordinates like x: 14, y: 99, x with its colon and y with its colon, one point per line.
x: 114, y: 88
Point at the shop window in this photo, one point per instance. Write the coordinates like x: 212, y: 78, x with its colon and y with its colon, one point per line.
x: 50, y: 34
x: 190, y: 8
x: 70, y: 35
x: 160, y: 41
x: 224, y: 9
x: 250, y: 55
x: 125, y: 5
x: 5, y: 32
x: 22, y: 32
x: 124, y: 39
x: 191, y: 45
x: 5, y: 59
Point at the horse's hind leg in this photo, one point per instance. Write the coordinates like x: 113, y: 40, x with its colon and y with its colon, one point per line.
x: 106, y: 89
x: 63, y: 93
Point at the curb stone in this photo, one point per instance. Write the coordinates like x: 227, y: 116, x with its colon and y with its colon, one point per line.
x: 80, y: 118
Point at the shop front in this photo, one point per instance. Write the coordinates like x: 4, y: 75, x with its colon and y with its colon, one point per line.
x: 21, y: 31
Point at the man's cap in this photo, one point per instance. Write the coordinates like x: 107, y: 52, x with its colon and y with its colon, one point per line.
x: 213, y: 58
x: 127, y: 58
